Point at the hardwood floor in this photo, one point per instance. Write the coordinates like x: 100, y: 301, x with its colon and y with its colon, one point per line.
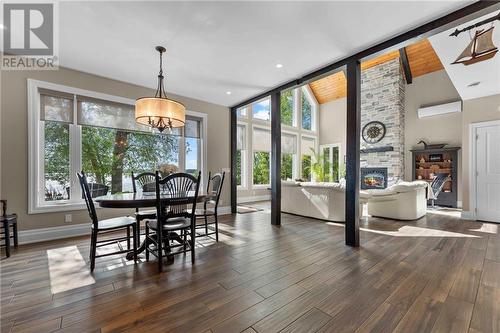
x: 437, y: 274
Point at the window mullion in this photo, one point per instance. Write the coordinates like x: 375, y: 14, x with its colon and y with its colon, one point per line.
x: 75, y: 154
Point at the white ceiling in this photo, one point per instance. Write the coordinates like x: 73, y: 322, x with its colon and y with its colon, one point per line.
x: 487, y: 72
x: 227, y: 46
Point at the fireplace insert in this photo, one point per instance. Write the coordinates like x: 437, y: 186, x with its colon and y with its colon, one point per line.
x: 373, y: 178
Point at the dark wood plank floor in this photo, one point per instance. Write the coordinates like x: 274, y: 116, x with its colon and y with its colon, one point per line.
x: 437, y: 274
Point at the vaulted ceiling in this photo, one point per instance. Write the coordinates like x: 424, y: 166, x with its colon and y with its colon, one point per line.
x: 422, y: 60
x: 215, y: 47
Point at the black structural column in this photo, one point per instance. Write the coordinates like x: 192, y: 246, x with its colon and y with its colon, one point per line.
x: 352, y: 153
x: 275, y: 159
x: 233, y: 160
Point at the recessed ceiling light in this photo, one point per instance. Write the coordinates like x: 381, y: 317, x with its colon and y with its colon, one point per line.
x: 228, y: 93
x: 279, y: 65
x: 473, y: 84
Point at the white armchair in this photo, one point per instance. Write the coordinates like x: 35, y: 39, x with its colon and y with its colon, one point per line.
x: 403, y: 201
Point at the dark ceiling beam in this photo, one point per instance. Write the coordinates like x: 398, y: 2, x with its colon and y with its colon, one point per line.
x: 406, y: 65
x: 460, y: 16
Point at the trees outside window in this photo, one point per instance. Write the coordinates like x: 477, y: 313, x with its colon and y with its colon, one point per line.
x: 306, y: 168
x: 287, y: 108
x: 286, y: 166
x: 56, y: 161
x: 306, y: 112
x: 261, y: 168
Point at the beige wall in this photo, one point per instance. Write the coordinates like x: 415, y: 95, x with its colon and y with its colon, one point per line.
x: 475, y: 111
x: 431, y: 89
x: 332, y: 123
x: 14, y: 138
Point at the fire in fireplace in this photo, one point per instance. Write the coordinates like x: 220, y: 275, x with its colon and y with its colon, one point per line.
x: 373, y: 178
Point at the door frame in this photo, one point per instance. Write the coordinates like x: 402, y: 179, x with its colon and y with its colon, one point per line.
x: 472, y: 163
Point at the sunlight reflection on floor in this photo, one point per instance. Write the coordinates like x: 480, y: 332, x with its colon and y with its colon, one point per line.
x: 411, y: 231
x: 488, y: 228
x: 68, y: 270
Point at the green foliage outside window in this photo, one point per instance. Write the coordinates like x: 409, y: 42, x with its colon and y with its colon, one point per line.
x: 238, y: 167
x: 108, y: 154
x: 261, y: 168
x: 286, y: 166
x: 286, y: 107
x: 56, y: 161
x: 306, y: 167
x: 306, y: 113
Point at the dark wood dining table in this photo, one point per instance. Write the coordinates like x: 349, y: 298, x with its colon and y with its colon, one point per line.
x: 141, y: 200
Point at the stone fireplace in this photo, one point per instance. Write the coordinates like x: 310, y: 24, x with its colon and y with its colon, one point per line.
x: 383, y: 99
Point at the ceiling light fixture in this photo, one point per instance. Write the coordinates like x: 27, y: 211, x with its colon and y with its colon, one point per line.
x: 159, y: 111
x: 228, y: 93
x: 279, y: 65
x: 473, y: 84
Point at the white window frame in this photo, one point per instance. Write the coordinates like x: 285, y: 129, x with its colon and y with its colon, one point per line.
x: 36, y: 147
x: 244, y: 159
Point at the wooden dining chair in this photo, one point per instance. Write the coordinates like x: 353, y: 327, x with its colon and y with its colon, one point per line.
x: 6, y: 221
x: 210, y: 205
x: 146, y: 182
x: 177, y: 214
x: 107, y: 226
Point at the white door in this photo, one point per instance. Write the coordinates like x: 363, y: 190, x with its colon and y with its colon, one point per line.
x: 488, y: 173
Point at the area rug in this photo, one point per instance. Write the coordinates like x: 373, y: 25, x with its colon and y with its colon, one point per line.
x: 244, y: 209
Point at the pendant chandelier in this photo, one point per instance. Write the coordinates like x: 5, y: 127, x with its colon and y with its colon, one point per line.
x: 159, y: 111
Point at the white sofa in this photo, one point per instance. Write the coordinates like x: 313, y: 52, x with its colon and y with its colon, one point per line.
x: 402, y: 201
x: 325, y: 201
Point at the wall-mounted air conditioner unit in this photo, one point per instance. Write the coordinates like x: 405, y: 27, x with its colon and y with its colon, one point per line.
x: 436, y: 110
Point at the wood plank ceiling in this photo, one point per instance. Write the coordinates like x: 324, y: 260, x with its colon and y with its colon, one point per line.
x: 421, y: 56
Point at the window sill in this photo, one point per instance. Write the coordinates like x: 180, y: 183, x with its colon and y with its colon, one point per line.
x: 63, y: 207
x: 261, y: 187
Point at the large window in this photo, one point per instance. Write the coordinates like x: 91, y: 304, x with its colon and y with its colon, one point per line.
x: 77, y: 131
x: 261, y: 141
x: 298, y: 109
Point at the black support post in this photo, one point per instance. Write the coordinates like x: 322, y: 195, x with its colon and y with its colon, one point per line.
x: 406, y: 65
x: 275, y: 159
x: 233, y: 161
x: 352, y: 153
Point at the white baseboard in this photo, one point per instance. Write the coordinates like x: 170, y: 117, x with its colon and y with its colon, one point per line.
x: 66, y: 231
x: 459, y: 204
x: 254, y: 198
x: 224, y: 210
x: 467, y: 215
x: 47, y: 234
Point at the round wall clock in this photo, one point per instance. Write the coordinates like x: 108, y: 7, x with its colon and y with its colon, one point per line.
x: 373, y: 132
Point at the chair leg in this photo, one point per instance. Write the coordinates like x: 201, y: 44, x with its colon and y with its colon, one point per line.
x: 159, y: 246
x: 138, y: 227
x: 184, y: 233
x: 147, y: 246
x: 128, y: 238
x: 206, y: 225
x: 6, y: 231
x: 93, y: 250
x: 134, y: 242
x: 193, y: 235
x: 216, y: 227
x: 14, y: 229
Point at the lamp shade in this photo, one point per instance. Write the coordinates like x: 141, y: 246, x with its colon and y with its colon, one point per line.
x: 153, y: 110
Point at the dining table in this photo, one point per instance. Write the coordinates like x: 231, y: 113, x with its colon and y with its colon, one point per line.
x: 142, y: 199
